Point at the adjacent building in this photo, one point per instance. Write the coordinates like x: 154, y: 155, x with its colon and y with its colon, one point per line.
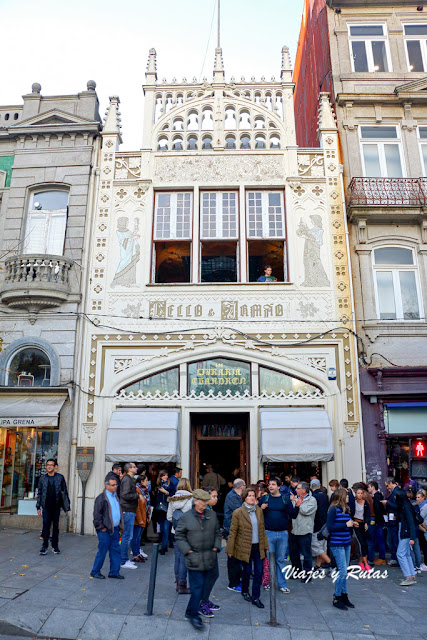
x: 371, y: 58
x: 187, y: 356
x: 48, y: 153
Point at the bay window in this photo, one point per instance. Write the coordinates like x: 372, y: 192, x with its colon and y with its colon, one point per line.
x: 396, y: 284
x: 218, y: 236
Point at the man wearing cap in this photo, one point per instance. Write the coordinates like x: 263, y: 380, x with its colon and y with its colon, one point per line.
x: 198, y: 538
x: 319, y: 547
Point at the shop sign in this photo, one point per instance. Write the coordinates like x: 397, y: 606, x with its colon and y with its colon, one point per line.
x: 219, y: 375
x: 39, y: 421
x: 84, y: 461
x: 219, y: 310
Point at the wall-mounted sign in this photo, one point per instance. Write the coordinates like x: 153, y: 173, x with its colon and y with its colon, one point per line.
x: 220, y: 375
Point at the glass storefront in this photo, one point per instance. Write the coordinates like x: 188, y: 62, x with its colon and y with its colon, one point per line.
x: 23, y: 455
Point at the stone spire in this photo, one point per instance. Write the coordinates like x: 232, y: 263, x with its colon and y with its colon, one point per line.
x: 218, y: 75
x: 112, y: 120
x: 326, y: 117
x: 286, y: 69
x: 151, y: 73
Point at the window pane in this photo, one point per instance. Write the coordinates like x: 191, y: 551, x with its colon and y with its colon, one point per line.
x: 183, y: 215
x: 424, y: 152
x: 393, y: 255
x: 392, y: 159
x: 379, y: 55
x: 209, y: 215
x: 219, y: 261
x: 163, y: 215
x: 29, y: 368
x: 416, y: 29
x: 359, y: 56
x: 36, y: 233
x: 50, y: 200
x: 275, y: 382
x: 266, y: 252
x: 408, y: 291
x: 275, y: 215
x: 372, y: 160
x: 220, y: 375
x: 386, y: 302
x: 414, y: 55
x: 165, y: 382
x: 229, y: 215
x: 423, y: 132
x: 56, y: 233
x: 255, y: 214
x: 367, y: 30
x: 378, y: 133
x: 172, y: 261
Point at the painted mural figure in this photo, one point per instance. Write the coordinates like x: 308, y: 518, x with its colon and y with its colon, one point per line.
x: 315, y: 274
x: 129, y: 253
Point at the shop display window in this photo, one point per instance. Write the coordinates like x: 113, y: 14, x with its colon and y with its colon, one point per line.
x: 29, y: 368
x: 166, y: 382
x: 272, y: 381
x: 23, y: 455
x: 219, y: 375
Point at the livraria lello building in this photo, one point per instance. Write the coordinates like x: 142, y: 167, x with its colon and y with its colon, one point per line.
x: 188, y: 358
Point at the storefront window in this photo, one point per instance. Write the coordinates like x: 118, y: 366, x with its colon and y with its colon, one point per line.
x: 165, y: 382
x: 23, y: 455
x: 29, y: 368
x: 272, y: 381
x: 220, y: 375
x: 398, y: 459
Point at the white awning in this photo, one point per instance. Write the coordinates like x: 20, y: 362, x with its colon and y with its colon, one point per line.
x: 143, y: 435
x: 299, y: 435
x: 30, y: 411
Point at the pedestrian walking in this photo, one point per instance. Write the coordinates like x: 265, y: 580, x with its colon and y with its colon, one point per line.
x: 422, y: 526
x: 198, y: 539
x: 52, y: 496
x: 206, y: 603
x: 377, y: 537
x: 319, y: 547
x: 129, y: 504
x: 162, y: 494
x: 140, y: 523
x: 361, y: 521
x: 179, y: 504
x: 233, y: 501
x: 277, y: 510
x: 116, y: 473
x: 391, y: 519
x: 212, y: 479
x: 407, y: 534
x: 351, y: 498
x: 108, y: 523
x: 248, y: 543
x: 302, y: 530
x: 174, y: 480
x: 339, y: 523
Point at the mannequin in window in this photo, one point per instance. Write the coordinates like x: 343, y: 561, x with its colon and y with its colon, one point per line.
x: 267, y: 277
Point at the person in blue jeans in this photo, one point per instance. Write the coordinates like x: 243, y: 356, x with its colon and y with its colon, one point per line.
x: 163, y: 491
x: 108, y: 522
x: 391, y: 518
x: 128, y: 503
x: 339, y: 523
x: 277, y: 510
x: 376, y: 532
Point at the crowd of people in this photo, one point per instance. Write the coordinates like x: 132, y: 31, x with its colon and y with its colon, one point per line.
x: 311, y: 533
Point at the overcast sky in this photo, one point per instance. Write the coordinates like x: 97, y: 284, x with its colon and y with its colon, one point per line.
x: 62, y: 44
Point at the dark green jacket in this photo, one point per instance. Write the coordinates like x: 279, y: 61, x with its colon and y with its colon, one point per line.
x: 199, y: 535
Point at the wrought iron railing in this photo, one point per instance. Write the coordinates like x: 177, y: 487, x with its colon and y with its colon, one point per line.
x: 409, y: 192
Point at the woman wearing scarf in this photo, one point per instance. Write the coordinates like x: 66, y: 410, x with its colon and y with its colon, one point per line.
x: 248, y: 543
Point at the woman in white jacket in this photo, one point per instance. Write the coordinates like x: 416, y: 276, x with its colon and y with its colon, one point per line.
x: 181, y: 502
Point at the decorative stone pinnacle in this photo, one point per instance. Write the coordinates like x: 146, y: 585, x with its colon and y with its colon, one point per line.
x: 151, y: 73
x: 326, y: 117
x: 286, y: 61
x: 219, y: 66
x: 91, y: 85
x: 36, y: 87
x: 112, y: 119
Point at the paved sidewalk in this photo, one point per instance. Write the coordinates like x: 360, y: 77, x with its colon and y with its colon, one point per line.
x: 54, y: 597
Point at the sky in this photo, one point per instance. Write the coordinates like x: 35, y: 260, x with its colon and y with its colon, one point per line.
x: 62, y: 45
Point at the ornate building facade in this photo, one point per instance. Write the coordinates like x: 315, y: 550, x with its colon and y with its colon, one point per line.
x: 371, y: 58
x: 48, y: 152
x: 187, y: 357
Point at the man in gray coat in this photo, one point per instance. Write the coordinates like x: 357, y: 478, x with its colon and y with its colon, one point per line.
x: 198, y: 538
x: 302, y: 529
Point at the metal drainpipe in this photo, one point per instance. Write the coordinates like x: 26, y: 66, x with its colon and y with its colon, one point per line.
x: 359, y: 405
x: 94, y: 180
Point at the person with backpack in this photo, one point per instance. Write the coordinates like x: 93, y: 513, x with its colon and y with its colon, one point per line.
x: 179, y: 504
x: 339, y: 523
x: 278, y: 511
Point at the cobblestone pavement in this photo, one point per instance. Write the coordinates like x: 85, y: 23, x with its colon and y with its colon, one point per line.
x: 54, y: 597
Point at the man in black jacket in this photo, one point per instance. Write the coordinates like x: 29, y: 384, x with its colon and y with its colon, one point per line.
x: 407, y: 537
x: 108, y: 522
x: 51, y: 496
x: 128, y: 503
x: 319, y: 547
x: 378, y: 528
x: 115, y: 474
x: 392, y: 520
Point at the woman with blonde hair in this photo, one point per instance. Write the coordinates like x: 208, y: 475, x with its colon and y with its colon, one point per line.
x: 177, y: 505
x: 338, y: 524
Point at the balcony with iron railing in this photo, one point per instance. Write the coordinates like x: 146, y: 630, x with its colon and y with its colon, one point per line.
x: 34, y: 282
x: 373, y: 196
